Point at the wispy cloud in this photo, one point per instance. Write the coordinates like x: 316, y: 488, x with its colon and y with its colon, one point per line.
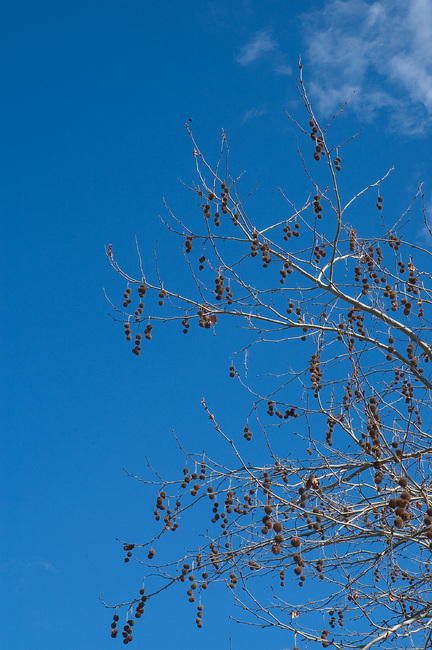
x: 424, y: 235
x: 281, y: 67
x: 252, y: 113
x: 15, y: 566
x: 261, y: 43
x: 264, y: 45
x: 381, y: 49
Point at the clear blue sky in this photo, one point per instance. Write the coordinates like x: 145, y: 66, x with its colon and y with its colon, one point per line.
x: 94, y: 99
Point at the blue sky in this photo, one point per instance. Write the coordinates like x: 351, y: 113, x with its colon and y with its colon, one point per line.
x: 95, y: 97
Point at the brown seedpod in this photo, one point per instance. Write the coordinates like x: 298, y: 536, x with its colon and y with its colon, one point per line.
x: 295, y: 541
x: 151, y: 553
x: 378, y: 478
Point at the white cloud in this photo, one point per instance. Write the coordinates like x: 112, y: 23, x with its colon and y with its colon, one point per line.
x: 264, y: 45
x: 424, y: 235
x: 253, y: 112
x: 19, y: 566
x: 281, y: 67
x: 382, y: 49
x: 261, y: 43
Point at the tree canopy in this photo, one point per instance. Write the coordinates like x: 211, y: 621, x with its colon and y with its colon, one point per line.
x: 321, y: 508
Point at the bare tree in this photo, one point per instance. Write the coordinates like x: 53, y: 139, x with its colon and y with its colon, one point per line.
x: 348, y: 516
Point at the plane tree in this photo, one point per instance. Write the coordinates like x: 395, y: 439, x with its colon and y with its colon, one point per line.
x: 342, y: 503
